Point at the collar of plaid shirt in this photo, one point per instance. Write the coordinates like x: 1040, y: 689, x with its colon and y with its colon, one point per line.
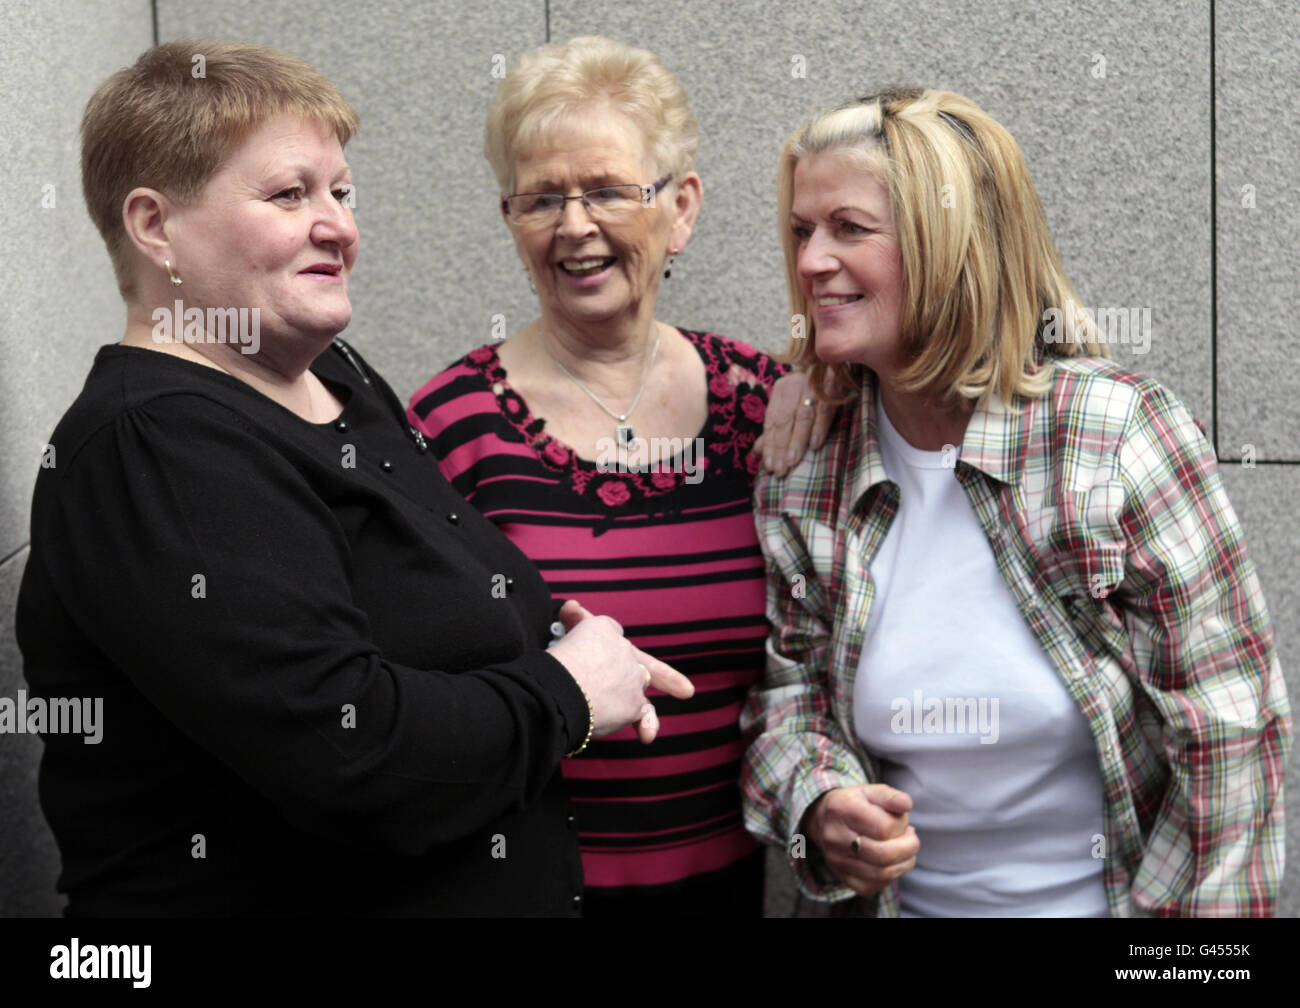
x: 1110, y: 526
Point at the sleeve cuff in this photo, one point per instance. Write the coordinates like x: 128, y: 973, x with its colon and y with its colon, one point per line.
x: 568, y: 696
x: 814, y: 878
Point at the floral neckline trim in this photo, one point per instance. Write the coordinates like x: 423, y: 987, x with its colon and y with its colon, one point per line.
x: 737, y: 393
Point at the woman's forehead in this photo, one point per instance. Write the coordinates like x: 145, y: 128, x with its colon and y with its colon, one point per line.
x: 833, y: 175
x: 285, y: 138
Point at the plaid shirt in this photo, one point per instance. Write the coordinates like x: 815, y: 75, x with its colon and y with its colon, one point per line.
x: 1110, y: 526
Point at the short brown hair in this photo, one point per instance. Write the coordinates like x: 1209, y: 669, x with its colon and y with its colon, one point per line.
x: 980, y: 268
x: 171, y: 119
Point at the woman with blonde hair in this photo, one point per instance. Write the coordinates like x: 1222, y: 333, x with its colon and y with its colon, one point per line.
x: 1020, y: 661
x: 615, y: 451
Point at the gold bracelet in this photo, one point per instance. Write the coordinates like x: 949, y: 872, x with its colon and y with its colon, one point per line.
x: 591, y: 721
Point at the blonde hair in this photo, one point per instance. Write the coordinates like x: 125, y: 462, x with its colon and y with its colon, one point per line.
x: 980, y: 269
x: 171, y: 119
x: 553, y: 82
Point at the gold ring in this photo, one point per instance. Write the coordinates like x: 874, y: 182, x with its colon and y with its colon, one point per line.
x: 856, y: 845
x: 807, y: 400
x: 646, y: 685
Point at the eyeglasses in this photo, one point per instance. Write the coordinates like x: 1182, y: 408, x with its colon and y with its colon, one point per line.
x: 604, y: 203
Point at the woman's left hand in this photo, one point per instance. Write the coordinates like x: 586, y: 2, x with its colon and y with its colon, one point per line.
x: 864, y: 835
x: 796, y: 423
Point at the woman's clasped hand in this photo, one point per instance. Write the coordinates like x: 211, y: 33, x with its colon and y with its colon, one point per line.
x: 864, y: 833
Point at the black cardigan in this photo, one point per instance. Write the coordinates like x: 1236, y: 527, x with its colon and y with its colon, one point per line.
x: 324, y: 678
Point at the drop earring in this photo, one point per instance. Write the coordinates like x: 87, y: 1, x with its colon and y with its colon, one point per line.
x: 668, y: 270
x: 177, y: 281
x: 528, y: 274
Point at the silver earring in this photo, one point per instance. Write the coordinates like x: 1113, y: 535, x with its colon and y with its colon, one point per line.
x: 177, y: 281
x: 529, y: 274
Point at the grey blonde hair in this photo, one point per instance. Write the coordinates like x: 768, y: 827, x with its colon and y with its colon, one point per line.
x: 553, y: 82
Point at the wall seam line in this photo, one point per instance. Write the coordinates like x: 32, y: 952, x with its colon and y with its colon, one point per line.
x: 1214, y: 243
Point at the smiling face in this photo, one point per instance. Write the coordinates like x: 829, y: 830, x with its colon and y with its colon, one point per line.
x: 850, y: 266
x: 269, y: 230
x: 591, y: 270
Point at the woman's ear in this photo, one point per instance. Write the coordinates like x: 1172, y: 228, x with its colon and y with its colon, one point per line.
x: 144, y: 216
x: 686, y: 207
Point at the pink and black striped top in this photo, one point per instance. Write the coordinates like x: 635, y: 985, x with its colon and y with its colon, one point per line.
x: 672, y: 556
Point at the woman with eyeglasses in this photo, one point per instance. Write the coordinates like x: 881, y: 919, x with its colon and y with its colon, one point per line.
x: 615, y: 451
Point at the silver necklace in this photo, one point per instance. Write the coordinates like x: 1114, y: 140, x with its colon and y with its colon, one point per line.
x: 624, y: 435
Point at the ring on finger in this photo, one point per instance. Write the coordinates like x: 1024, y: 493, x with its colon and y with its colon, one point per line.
x: 807, y: 400
x: 645, y: 685
x: 856, y: 845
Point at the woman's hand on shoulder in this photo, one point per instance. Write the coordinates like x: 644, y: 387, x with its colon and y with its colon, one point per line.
x: 864, y: 835
x: 796, y: 423
x: 613, y: 673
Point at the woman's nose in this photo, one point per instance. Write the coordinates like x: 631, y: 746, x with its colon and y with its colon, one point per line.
x: 575, y: 219
x: 815, y: 258
x: 336, y: 223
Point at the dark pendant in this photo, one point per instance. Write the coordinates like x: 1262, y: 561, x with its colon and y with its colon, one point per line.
x: 623, y: 432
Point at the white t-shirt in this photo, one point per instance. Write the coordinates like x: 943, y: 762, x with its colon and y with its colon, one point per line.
x: 963, y: 711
